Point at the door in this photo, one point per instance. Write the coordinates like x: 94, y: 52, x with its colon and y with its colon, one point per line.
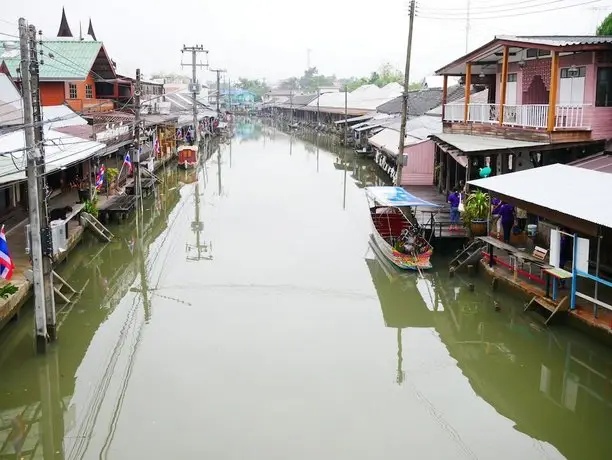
x: 511, y: 89
x: 571, y: 85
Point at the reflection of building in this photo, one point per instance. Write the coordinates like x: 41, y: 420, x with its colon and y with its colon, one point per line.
x: 555, y: 389
x: 38, y: 407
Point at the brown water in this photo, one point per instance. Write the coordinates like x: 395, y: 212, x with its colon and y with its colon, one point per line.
x: 288, y: 338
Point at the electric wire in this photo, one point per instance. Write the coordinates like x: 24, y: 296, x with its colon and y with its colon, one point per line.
x: 525, y: 13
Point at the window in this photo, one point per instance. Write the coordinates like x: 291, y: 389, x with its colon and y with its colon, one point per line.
x: 72, y: 91
x: 534, y: 53
x: 511, y: 78
x: 603, y: 94
x: 88, y: 92
x: 571, y: 85
x: 573, y: 72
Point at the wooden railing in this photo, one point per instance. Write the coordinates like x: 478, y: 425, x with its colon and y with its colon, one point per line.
x: 527, y: 115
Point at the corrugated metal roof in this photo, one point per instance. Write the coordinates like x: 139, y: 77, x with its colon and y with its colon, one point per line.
x: 60, y: 150
x: 601, y: 162
x: 11, y: 112
x: 558, y: 40
x: 469, y: 143
x: 73, y: 59
x: 546, y: 186
x: 60, y: 116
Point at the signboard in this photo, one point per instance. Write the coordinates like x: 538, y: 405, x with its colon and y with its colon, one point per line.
x: 113, y: 132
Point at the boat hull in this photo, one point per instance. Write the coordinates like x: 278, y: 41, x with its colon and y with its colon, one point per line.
x: 399, y: 259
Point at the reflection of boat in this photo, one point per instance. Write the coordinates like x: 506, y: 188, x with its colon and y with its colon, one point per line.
x: 395, y: 229
x: 188, y: 156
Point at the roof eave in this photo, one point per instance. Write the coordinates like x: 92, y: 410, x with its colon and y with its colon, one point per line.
x: 490, y: 46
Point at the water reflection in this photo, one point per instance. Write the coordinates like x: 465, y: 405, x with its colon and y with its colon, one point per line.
x: 39, y: 417
x: 554, y: 384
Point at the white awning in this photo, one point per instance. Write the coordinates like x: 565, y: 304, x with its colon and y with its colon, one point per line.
x: 469, y: 143
x: 61, y: 150
x: 576, y: 192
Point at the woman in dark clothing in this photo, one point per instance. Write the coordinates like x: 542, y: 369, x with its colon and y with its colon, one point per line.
x: 506, y: 211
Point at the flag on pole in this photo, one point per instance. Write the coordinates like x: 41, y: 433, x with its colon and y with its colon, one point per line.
x: 179, y: 133
x: 127, y: 161
x: 6, y: 263
x: 100, y: 178
x: 156, y: 146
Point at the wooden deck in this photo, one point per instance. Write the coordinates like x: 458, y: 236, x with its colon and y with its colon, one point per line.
x: 147, y: 186
x: 436, y: 220
x: 118, y: 206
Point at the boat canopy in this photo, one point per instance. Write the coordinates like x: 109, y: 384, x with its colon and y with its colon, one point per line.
x: 396, y: 196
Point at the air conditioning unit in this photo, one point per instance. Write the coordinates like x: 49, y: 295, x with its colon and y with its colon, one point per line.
x: 58, y: 236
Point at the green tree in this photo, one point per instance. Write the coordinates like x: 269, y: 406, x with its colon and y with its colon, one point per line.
x: 605, y: 28
x: 257, y: 87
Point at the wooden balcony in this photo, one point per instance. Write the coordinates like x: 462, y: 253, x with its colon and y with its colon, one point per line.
x: 521, y: 122
x: 90, y: 105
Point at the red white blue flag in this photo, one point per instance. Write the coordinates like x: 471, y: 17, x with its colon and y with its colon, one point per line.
x: 100, y: 178
x: 127, y: 161
x: 6, y: 263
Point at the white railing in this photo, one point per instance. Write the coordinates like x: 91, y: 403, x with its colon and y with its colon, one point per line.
x: 570, y: 116
x: 454, y: 112
x: 527, y: 115
x: 483, y: 113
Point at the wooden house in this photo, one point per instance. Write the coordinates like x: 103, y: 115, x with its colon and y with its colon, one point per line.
x: 549, y: 101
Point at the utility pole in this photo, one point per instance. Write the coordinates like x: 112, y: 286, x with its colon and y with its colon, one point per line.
x: 42, y: 200
x: 136, y: 159
x: 33, y: 154
x: 345, y: 116
x: 400, y: 153
x: 195, y: 86
x: 291, y: 104
x: 219, y: 72
x: 318, y: 107
x: 467, y: 28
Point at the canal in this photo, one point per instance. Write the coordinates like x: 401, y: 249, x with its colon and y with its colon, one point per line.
x: 243, y: 315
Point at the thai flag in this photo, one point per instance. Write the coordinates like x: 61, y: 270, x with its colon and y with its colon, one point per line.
x: 156, y: 146
x: 6, y: 263
x: 100, y: 178
x: 127, y: 161
x: 179, y: 133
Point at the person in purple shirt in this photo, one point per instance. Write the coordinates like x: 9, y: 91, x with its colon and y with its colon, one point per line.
x: 454, y: 199
x: 506, y: 212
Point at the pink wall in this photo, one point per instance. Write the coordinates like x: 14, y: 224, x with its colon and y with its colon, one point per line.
x: 541, y: 68
x: 420, y: 167
x: 600, y: 121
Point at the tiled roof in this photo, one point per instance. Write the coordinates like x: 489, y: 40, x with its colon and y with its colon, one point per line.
x: 72, y: 59
x: 422, y: 101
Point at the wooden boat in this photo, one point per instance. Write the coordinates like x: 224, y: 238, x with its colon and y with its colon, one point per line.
x: 188, y: 156
x: 395, y: 230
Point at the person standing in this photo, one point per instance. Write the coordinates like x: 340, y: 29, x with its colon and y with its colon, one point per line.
x: 506, y: 211
x: 454, y: 199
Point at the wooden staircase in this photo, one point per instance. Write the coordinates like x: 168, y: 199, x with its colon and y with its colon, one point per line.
x: 93, y: 224
x: 549, y: 305
x: 470, y: 254
x: 63, y: 290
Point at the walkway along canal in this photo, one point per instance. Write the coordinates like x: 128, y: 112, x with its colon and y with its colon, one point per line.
x: 286, y: 337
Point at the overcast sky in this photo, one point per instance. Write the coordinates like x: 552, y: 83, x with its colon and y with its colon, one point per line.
x: 270, y: 38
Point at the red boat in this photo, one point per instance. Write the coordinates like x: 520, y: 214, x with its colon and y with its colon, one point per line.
x: 188, y: 156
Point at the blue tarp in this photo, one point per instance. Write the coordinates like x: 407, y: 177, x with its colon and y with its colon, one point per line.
x: 396, y: 196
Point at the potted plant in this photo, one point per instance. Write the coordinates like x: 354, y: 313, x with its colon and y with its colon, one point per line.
x: 477, y: 208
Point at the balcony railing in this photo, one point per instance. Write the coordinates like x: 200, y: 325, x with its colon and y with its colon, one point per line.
x: 526, y: 116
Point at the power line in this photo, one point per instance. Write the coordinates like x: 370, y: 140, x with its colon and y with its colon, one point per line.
x: 454, y: 18
x: 490, y: 9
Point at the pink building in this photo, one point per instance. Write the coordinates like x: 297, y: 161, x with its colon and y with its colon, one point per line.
x: 549, y: 101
